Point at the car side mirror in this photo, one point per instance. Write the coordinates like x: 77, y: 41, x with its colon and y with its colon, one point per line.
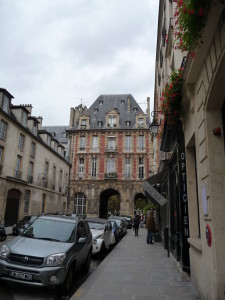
x: 82, y: 240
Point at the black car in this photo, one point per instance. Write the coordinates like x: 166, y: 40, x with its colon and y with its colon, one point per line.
x: 128, y: 220
x: 22, y: 224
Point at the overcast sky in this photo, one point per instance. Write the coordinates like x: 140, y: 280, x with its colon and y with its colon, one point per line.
x: 55, y: 54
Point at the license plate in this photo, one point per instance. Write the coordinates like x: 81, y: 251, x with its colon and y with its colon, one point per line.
x: 21, y: 275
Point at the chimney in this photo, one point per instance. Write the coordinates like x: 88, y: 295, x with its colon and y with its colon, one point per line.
x: 148, y: 106
x: 40, y: 119
x: 128, y: 103
x: 29, y: 108
x: 71, y: 117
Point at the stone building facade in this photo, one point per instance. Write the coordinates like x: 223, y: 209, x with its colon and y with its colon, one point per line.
x: 34, y: 174
x: 110, y: 152
x: 202, y: 127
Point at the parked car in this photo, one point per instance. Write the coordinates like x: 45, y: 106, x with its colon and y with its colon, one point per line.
x: 115, y: 230
x: 121, y: 224
x: 22, y: 224
x: 102, y: 234
x: 128, y: 220
x: 47, y: 253
x: 3, y: 235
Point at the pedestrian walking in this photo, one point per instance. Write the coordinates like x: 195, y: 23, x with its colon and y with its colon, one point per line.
x: 150, y: 226
x: 136, y: 224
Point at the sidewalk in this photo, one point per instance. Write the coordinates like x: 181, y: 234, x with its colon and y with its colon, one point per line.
x: 134, y: 270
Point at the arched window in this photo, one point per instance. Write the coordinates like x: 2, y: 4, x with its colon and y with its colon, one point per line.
x: 79, y: 204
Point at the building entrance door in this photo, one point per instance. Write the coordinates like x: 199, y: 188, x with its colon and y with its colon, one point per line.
x: 12, y: 207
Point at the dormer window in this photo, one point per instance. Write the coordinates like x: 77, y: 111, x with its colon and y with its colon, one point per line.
x: 140, y: 122
x: 122, y: 101
x: 127, y: 123
x: 100, y: 101
x: 48, y: 140
x: 96, y: 110
x: 135, y: 109
x: 5, y: 104
x: 24, y: 118
x: 100, y: 123
x: 112, y: 121
x: 83, y: 123
x: 35, y: 129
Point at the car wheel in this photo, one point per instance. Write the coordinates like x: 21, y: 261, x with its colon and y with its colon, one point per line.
x: 3, y: 237
x: 87, y: 262
x: 66, y: 288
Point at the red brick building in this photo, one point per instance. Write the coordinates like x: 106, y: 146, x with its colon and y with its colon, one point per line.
x: 110, y: 152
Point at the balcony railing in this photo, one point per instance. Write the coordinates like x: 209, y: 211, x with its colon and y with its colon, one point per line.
x: 110, y: 149
x: 18, y: 174
x: 30, y: 179
x: 111, y: 175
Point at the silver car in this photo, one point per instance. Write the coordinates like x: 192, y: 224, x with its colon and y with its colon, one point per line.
x: 47, y: 253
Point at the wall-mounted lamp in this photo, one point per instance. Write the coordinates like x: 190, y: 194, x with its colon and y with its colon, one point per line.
x: 154, y: 126
x: 217, y: 131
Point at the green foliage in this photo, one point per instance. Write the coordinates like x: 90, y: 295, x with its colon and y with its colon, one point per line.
x: 149, y: 206
x: 140, y: 203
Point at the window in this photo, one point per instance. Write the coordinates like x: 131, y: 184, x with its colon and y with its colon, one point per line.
x: 48, y: 140
x: 35, y: 129
x: 110, y: 165
x: 83, y: 124
x: 128, y: 142
x: 43, y: 203
x: 82, y: 143
x: 3, y: 129
x: 30, y: 172
x: 112, y: 121
x: 94, y: 167
x: 79, y: 204
x: 81, y: 231
x: 127, y: 167
x: 141, y: 167
x: 111, y: 143
x: 24, y: 118
x: 18, y: 174
x: 127, y: 123
x: 140, y: 122
x: 27, y: 202
x: 1, y: 154
x: 96, y: 109
x: 60, y: 180
x: 141, y: 142
x: 81, y: 168
x: 32, y: 149
x: 100, y: 123
x: 45, y: 177
x: 5, y: 104
x: 53, y: 177
x: 95, y: 143
x: 21, y: 142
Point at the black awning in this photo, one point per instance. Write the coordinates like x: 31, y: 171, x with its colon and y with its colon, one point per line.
x: 156, y: 178
x: 153, y: 194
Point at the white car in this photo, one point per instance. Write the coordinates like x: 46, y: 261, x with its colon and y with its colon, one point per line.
x: 103, y: 237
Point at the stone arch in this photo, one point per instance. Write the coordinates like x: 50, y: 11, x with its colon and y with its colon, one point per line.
x: 139, y: 198
x: 104, y: 201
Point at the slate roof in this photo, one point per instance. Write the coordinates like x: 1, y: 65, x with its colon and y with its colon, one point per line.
x: 97, y: 111
x: 58, y: 132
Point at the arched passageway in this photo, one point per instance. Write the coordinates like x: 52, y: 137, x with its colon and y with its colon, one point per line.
x: 109, y: 203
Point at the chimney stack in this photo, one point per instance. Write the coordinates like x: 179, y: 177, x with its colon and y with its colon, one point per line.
x: 148, y: 106
x: 40, y: 119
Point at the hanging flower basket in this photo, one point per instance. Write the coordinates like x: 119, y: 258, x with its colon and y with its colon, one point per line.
x: 170, y: 102
x: 190, y: 18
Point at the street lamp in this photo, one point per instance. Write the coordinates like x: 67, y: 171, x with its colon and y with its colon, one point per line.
x: 154, y: 126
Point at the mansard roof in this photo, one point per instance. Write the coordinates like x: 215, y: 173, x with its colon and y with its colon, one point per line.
x: 123, y: 104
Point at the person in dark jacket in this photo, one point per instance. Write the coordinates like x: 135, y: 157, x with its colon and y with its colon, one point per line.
x: 136, y: 224
x: 150, y: 226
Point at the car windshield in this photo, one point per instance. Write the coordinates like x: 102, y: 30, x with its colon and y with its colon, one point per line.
x: 95, y: 225
x: 52, y: 230
x: 118, y: 221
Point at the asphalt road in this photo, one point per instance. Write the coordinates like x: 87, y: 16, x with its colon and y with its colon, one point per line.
x: 10, y: 291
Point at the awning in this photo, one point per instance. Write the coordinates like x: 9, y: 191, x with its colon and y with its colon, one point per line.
x: 156, y: 178
x: 153, y: 194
